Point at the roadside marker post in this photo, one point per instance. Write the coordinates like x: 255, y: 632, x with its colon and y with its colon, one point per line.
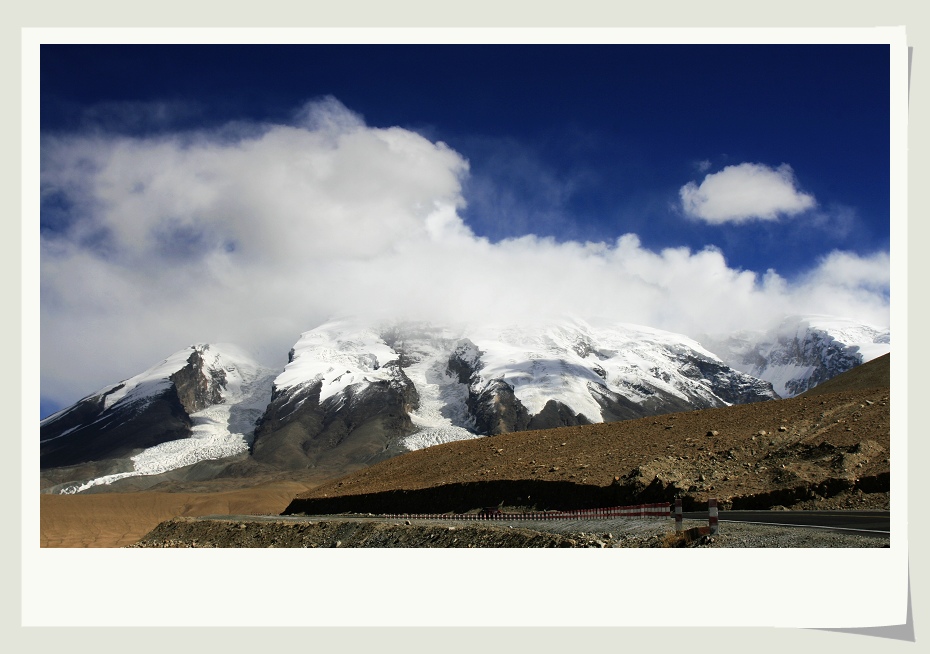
x: 679, y: 518
x: 712, y: 515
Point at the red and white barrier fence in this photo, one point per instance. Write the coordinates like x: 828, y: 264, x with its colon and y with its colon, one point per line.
x: 662, y: 510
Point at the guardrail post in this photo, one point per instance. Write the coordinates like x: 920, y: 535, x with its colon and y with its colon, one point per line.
x: 679, y: 518
x: 712, y: 515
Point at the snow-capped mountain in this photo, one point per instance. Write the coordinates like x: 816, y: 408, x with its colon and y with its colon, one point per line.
x: 200, y: 403
x: 377, y: 391
x: 802, y: 351
x: 354, y: 393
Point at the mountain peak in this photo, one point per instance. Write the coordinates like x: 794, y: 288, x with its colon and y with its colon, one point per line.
x: 354, y: 393
x: 803, y: 350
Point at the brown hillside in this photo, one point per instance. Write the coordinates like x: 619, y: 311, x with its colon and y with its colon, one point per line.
x: 119, y: 519
x: 818, y: 450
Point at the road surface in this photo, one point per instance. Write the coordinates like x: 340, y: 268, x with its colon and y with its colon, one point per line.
x: 864, y: 522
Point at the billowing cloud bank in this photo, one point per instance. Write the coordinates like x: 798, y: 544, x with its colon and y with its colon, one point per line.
x: 748, y: 191
x: 253, y: 236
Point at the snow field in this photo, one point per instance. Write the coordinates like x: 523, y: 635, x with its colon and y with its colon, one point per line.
x: 560, y: 362
x: 217, y: 432
x: 339, y: 355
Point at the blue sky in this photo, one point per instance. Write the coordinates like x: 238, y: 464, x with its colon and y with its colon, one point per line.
x: 578, y: 142
x: 765, y: 168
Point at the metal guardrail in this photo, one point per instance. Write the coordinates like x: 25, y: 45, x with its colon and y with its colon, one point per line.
x: 662, y: 510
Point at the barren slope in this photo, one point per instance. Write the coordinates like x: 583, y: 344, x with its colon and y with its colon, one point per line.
x: 119, y: 519
x: 826, y: 449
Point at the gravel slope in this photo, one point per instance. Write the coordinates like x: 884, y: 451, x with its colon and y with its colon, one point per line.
x: 332, y: 531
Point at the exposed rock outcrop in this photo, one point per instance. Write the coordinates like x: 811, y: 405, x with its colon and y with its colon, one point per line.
x: 197, y: 385
x: 89, y: 432
x: 348, y: 430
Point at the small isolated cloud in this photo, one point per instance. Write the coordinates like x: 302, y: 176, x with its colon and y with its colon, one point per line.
x: 745, y: 192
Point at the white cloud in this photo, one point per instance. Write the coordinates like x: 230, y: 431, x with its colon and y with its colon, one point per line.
x: 328, y: 115
x: 844, y: 270
x: 745, y: 192
x: 207, y: 238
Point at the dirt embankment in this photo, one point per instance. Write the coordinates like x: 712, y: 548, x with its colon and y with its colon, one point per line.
x: 119, y: 519
x: 824, y: 451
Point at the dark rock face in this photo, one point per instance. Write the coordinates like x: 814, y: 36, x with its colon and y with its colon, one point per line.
x: 465, y: 362
x: 89, y: 431
x: 556, y: 414
x: 197, y: 386
x: 827, y: 358
x: 729, y: 385
x: 347, y: 430
x: 497, y: 410
x: 873, y: 374
x: 122, y: 431
x: 809, y: 348
x: 293, y: 410
x: 615, y: 407
x: 402, y: 338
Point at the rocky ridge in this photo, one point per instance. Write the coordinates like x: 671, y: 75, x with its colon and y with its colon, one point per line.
x: 245, y: 531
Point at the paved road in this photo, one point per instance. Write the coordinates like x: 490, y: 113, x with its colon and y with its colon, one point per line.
x: 866, y: 522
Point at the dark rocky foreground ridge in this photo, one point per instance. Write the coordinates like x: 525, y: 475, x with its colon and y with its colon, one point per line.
x: 828, y: 448
x: 250, y: 532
